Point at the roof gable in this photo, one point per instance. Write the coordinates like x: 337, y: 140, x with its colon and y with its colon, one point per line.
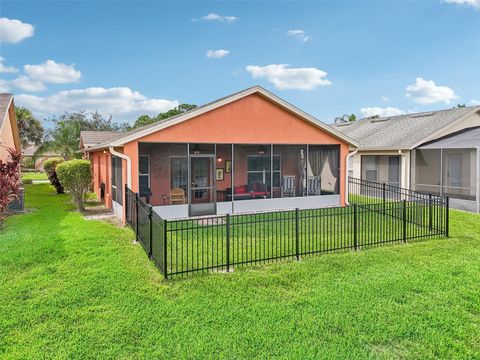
x: 150, y: 129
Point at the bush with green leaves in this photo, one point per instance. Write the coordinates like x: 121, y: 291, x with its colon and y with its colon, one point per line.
x: 50, y: 166
x: 76, y: 177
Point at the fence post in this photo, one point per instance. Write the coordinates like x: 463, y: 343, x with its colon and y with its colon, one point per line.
x: 447, y: 217
x: 151, y: 233
x: 355, y: 227
x: 136, y: 216
x: 404, y: 220
x: 297, y: 246
x: 384, y: 195
x: 165, y: 272
x: 126, y: 203
x: 430, y: 214
x: 228, y: 241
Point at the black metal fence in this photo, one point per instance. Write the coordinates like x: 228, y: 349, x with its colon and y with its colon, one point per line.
x: 224, y: 242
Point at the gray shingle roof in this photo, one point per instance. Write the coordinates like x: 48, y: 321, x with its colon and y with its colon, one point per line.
x: 92, y: 138
x: 4, y: 101
x: 404, y: 131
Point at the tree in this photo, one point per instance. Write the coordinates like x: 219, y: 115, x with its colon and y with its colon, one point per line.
x: 9, y: 181
x: 180, y: 109
x: 50, y: 166
x: 346, y: 118
x: 461, y: 106
x: 64, y: 138
x: 76, y: 177
x: 30, y: 129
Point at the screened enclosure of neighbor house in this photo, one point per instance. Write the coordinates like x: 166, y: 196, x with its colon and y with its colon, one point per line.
x: 209, y: 177
x: 450, y: 166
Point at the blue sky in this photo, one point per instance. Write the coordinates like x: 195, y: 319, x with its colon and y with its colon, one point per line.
x: 328, y: 58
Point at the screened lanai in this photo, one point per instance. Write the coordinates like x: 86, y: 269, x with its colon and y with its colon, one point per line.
x: 450, y: 166
x: 200, y: 179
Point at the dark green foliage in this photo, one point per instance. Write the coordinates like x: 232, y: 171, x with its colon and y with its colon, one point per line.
x: 180, y: 109
x: 76, y: 178
x: 29, y: 128
x: 50, y: 168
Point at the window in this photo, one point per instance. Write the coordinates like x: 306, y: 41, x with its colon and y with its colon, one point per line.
x: 144, y: 173
x: 258, y: 170
x: 179, y: 172
x: 370, y: 167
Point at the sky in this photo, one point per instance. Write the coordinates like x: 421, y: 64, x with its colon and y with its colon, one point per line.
x: 328, y: 58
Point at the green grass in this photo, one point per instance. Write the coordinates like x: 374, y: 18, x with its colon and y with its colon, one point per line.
x: 72, y: 288
x: 34, y: 176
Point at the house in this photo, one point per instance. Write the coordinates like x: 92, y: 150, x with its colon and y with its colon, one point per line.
x: 426, y: 151
x: 9, y: 137
x: 250, y: 151
x: 37, y: 159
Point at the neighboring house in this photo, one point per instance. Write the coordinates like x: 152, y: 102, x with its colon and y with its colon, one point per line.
x: 411, y: 151
x: 38, y: 159
x: 9, y: 137
x: 250, y: 151
x: 91, y: 138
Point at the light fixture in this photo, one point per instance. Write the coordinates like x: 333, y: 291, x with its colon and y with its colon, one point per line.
x: 196, y: 149
x: 261, y: 150
x: 104, y: 151
x: 219, y: 159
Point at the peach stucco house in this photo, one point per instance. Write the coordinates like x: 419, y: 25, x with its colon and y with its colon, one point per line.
x: 250, y: 151
x: 9, y: 137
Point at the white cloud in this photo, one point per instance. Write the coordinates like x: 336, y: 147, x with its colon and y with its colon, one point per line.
x: 120, y: 102
x: 299, y: 35
x: 6, y: 69
x: 27, y: 84
x: 385, y: 98
x: 13, y: 31
x: 53, y: 72
x: 474, y: 102
x: 4, y: 86
x: 217, y: 54
x: 382, y: 112
x: 474, y: 3
x: 426, y: 92
x: 285, y: 78
x: 220, y: 18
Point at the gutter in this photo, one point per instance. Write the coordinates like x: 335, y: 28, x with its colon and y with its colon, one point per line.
x: 349, y: 156
x: 129, y: 164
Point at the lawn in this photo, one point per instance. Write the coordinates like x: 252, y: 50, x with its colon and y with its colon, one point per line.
x: 72, y: 288
x: 34, y: 176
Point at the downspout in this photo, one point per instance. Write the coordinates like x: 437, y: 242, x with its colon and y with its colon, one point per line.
x: 403, y: 170
x: 478, y: 179
x: 129, y: 165
x: 349, y: 156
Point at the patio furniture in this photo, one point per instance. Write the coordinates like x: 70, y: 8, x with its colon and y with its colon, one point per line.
x: 313, y: 185
x: 253, y: 191
x: 288, y: 186
x: 177, y: 196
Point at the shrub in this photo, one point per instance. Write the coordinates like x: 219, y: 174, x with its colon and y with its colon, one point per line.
x: 50, y: 166
x: 27, y: 181
x: 76, y: 177
x: 9, y: 180
x: 28, y: 163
